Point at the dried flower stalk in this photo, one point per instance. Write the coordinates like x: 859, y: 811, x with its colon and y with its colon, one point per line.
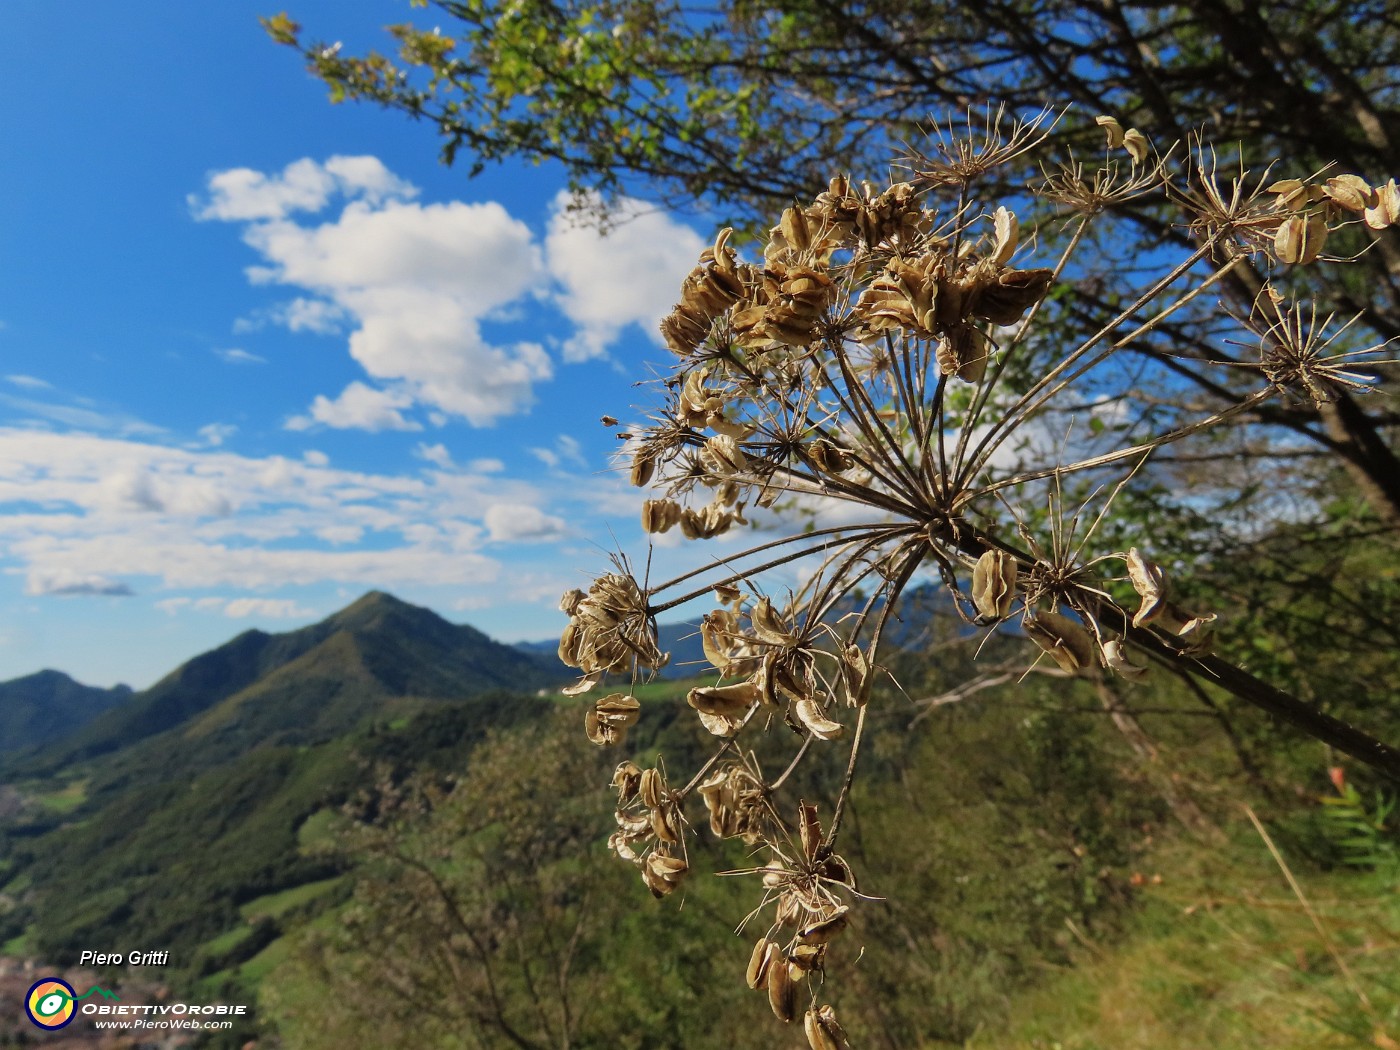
x: 883, y: 353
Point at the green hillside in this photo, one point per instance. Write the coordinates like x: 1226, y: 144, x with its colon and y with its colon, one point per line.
x: 160, y: 819
x: 42, y: 707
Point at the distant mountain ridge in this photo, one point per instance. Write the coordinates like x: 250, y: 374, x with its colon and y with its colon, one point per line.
x: 303, y: 686
x: 46, y: 705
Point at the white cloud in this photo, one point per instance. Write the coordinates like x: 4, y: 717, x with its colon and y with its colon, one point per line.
x: 630, y: 275
x: 67, y: 582
x: 242, y: 194
x: 516, y: 523
x: 235, y: 356
x: 84, y: 514
x: 272, y: 608
x: 29, y: 382
x: 488, y: 465
x: 358, y: 407
x: 566, y: 450
x: 434, y: 454
x: 217, y: 433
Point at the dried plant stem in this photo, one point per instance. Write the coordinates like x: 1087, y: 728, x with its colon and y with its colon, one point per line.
x: 1316, y: 919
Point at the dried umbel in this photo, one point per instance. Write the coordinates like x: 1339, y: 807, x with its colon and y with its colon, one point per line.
x: 879, y: 369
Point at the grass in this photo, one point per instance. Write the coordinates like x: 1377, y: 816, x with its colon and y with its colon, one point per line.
x: 226, y: 942
x: 1224, y: 954
x: 66, y: 799
x: 275, y: 905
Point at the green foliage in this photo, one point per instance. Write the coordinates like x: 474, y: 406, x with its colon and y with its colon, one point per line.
x: 1360, y: 832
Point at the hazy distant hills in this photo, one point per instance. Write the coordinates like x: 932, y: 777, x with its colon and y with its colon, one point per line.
x: 41, y: 707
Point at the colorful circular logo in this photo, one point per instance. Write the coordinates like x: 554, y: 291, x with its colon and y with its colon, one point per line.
x: 49, y: 1003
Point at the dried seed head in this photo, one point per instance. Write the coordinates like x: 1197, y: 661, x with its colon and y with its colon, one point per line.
x: 663, y: 872
x: 608, y: 720
x: 643, y: 467
x: 823, y: 1031
x: 659, y: 515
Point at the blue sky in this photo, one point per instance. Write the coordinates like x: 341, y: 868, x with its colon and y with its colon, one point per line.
x: 259, y: 353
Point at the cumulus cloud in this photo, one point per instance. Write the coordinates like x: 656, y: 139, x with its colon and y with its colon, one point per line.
x: 516, y: 523
x: 437, y: 454
x: 85, y: 514
x: 414, y: 282
x: 630, y: 275
x: 242, y: 194
x: 358, y: 407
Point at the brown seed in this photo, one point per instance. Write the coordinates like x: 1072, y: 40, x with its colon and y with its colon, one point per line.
x: 1065, y: 640
x: 1135, y: 142
x: 1113, y: 129
x: 1299, y: 239
x: 782, y: 992
x: 994, y: 585
x: 759, y: 959
x: 823, y: 930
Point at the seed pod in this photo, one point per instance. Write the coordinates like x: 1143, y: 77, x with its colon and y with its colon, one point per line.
x: 994, y: 585
x: 643, y: 467
x: 1007, y: 231
x: 627, y: 778
x: 855, y: 669
x: 1115, y: 658
x: 1386, y: 211
x: 1135, y: 142
x: 766, y: 624
x: 807, y: 957
x: 764, y: 952
x: 1065, y: 640
x: 658, y: 515
x: 651, y: 788
x: 823, y: 1031
x: 1299, y: 239
x: 1150, y: 582
x: 795, y: 229
x: 1351, y: 192
x: 664, y: 824
x: 809, y: 829
x: 1113, y: 129
x: 729, y: 701
x: 782, y: 992
x: 810, y: 714
x: 823, y: 930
